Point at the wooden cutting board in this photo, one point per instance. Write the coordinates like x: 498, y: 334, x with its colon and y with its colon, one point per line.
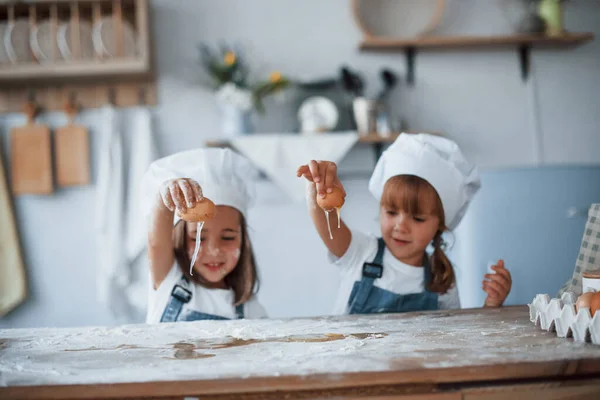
x: 31, y: 159
x: 72, y: 154
x: 12, y: 273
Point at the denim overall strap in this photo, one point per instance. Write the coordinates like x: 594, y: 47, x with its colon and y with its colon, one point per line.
x: 431, y: 297
x: 370, y: 272
x: 180, y: 295
x: 239, y: 311
x: 427, y: 272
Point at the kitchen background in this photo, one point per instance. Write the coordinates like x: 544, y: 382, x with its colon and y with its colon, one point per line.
x: 537, y: 143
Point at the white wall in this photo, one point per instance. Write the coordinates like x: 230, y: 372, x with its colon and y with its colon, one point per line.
x: 475, y: 97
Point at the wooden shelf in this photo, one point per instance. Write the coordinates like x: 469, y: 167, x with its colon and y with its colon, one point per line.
x: 68, y: 70
x: 523, y: 43
x: 373, y: 139
x: 126, y: 77
x: 568, y: 39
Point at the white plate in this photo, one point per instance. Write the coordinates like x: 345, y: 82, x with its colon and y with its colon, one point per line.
x: 43, y: 43
x: 104, y: 39
x: 3, y: 53
x: 317, y: 114
x: 16, y: 41
x: 400, y: 18
x: 85, y: 40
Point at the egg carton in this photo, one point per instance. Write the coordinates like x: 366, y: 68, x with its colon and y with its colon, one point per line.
x: 560, y: 316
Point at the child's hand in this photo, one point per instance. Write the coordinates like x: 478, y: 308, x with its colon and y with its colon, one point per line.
x: 180, y: 194
x: 323, y: 174
x: 497, y: 285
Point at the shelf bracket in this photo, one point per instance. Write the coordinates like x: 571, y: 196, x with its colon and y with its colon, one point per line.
x: 525, y: 61
x: 378, y: 150
x: 411, y: 53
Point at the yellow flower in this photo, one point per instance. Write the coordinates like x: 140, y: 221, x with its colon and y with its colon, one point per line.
x: 275, y: 77
x: 229, y: 58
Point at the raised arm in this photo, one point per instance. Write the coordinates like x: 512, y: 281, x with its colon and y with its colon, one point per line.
x: 322, y: 177
x: 179, y: 194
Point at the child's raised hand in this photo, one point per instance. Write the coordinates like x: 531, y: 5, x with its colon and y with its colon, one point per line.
x: 497, y: 286
x: 180, y: 194
x: 323, y: 174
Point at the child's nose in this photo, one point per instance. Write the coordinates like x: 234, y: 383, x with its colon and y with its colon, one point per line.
x: 213, y: 250
x: 210, y: 247
x: 402, y: 221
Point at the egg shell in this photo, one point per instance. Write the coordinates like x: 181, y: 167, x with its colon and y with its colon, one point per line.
x: 584, y: 300
x: 332, y: 200
x: 204, y: 210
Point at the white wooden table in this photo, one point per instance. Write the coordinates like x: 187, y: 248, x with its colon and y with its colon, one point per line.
x: 479, y: 354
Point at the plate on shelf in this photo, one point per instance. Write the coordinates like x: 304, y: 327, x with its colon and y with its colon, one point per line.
x: 398, y: 19
x: 317, y: 114
x: 43, y: 43
x: 3, y: 53
x: 105, y: 42
x: 16, y: 41
x: 85, y: 40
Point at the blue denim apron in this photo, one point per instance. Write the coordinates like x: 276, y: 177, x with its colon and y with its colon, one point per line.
x: 181, y: 295
x: 366, y: 298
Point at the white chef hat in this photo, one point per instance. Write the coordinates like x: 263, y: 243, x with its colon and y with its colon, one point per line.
x: 437, y: 160
x: 225, y: 177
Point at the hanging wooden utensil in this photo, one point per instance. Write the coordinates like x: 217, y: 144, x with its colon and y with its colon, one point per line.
x: 13, y: 286
x: 31, y: 158
x: 72, y: 154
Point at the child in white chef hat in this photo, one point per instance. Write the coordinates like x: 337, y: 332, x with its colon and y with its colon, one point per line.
x: 424, y: 186
x: 224, y: 280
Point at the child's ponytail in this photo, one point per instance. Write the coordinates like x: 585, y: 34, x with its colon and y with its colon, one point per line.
x: 442, y: 274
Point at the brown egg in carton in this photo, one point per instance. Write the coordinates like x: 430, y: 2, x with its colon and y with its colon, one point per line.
x: 568, y: 316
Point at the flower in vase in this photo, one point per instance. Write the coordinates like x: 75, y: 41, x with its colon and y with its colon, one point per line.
x: 229, y: 74
x: 232, y: 95
x: 229, y: 58
x: 275, y: 77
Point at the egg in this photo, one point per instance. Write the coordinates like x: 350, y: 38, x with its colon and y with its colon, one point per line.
x: 595, y: 303
x: 204, y: 210
x: 332, y: 200
x: 584, y: 300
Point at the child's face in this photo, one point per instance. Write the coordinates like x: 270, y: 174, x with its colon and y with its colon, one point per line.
x: 220, y: 247
x: 407, y: 236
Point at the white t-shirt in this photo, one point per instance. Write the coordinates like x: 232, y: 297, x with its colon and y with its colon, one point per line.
x: 397, y: 277
x: 209, y: 301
